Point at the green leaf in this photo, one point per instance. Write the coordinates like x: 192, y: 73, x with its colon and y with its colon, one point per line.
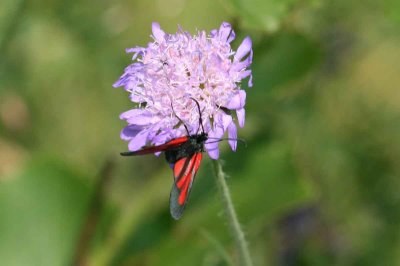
x: 41, y: 212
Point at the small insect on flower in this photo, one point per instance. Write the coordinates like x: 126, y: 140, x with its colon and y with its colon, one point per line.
x: 183, y: 84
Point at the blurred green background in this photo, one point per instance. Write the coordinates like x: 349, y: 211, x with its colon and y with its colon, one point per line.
x: 317, y: 184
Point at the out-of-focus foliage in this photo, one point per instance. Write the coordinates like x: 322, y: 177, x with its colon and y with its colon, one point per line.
x: 317, y: 183
x: 42, y: 209
x: 267, y: 15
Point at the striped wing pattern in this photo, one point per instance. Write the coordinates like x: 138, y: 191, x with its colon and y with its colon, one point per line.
x: 185, y: 170
x: 170, y: 144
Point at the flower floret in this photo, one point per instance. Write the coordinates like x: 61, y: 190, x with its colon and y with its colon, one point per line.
x: 175, y: 70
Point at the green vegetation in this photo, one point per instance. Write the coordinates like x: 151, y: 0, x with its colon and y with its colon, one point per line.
x: 317, y: 183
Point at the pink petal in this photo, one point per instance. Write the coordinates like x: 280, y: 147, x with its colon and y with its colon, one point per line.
x: 130, y: 132
x: 222, y: 121
x: 241, y: 116
x: 241, y: 65
x: 138, y: 141
x: 245, y: 74
x: 213, y: 146
x: 212, y: 150
x: 226, y: 33
x: 237, y: 101
x: 232, y: 134
x: 135, y: 50
x: 131, y: 113
x: 231, y: 37
x: 244, y: 49
x: 142, y: 120
x: 158, y: 33
x: 234, y: 102
x: 250, y: 84
x: 139, y: 117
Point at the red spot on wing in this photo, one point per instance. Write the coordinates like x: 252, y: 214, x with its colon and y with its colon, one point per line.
x: 177, y: 141
x: 184, y: 171
x: 183, y: 194
x: 186, y: 175
x: 147, y: 150
x: 178, y: 167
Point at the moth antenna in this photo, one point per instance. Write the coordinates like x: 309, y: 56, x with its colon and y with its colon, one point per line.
x: 180, y: 120
x: 200, y: 117
x: 219, y: 140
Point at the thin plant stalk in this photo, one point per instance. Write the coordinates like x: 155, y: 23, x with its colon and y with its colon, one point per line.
x: 236, y: 230
x: 95, y: 208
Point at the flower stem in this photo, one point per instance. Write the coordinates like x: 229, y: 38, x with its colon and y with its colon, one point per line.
x: 95, y: 208
x: 238, y: 235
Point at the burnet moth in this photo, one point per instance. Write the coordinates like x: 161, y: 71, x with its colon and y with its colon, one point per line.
x: 184, y: 154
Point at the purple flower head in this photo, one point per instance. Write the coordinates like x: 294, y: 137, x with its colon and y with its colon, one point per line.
x: 175, y: 68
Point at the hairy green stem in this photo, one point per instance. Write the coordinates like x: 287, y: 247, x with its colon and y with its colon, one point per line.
x: 238, y: 235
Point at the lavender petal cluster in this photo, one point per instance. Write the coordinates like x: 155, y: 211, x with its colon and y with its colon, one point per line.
x: 174, y: 69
